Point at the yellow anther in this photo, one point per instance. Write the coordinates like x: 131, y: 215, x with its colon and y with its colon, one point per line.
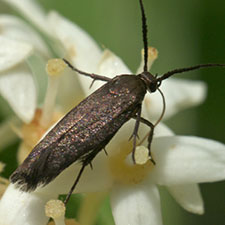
x: 55, y: 209
x: 141, y: 155
x: 55, y: 66
x: 68, y: 222
x: 152, y: 53
x: 125, y: 171
x: 152, y: 56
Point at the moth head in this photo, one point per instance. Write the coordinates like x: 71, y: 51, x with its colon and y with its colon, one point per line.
x: 151, y: 81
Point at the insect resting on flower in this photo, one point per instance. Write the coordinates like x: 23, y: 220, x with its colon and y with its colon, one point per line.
x: 88, y: 127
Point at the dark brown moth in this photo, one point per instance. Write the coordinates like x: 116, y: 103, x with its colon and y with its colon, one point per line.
x: 89, y: 126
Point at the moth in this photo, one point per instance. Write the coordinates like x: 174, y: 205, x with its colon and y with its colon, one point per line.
x: 82, y: 133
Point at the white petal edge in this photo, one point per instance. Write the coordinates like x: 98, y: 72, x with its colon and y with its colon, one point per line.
x: 17, y: 86
x: 137, y: 204
x: 16, y: 29
x: 12, y: 52
x: 22, y: 208
x: 189, y: 197
x: 71, y: 92
x: 179, y: 94
x: 182, y: 159
x: 162, y: 130
x: 110, y: 65
x: 32, y: 11
x: 80, y: 47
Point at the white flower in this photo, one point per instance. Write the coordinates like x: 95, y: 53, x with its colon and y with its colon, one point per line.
x: 12, y: 73
x: 181, y: 163
x: 82, y: 51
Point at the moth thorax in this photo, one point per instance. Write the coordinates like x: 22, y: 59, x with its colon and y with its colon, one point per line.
x: 150, y: 81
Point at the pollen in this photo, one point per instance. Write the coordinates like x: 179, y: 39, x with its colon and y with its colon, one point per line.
x: 68, y: 222
x: 124, y: 170
x: 141, y: 155
x: 55, y: 67
x: 55, y: 209
x: 152, y: 56
x: 153, y: 53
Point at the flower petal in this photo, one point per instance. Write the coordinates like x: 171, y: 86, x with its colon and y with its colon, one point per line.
x: 16, y: 29
x: 179, y: 94
x: 22, y: 208
x: 80, y: 46
x: 189, y: 197
x: 137, y: 204
x: 18, y: 88
x: 33, y: 12
x: 162, y: 130
x: 71, y: 93
x: 110, y: 65
x: 181, y: 160
x: 12, y: 52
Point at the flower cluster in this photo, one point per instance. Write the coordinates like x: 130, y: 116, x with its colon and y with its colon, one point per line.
x: 182, y: 162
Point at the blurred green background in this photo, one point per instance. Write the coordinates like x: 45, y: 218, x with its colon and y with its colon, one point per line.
x: 186, y: 33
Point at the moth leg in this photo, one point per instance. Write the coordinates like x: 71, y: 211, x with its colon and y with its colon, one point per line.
x: 75, y: 183
x: 150, y: 135
x: 91, y: 75
x: 105, y: 151
x: 135, y: 132
x: 91, y: 166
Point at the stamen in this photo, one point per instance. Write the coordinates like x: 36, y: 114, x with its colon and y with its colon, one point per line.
x: 141, y: 155
x: 68, y: 222
x: 152, y: 56
x: 56, y: 210
x: 54, y: 68
x: 124, y: 170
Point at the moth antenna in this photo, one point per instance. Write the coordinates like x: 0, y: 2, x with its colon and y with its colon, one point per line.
x: 182, y: 70
x: 91, y: 75
x: 163, y: 109
x: 145, y: 39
